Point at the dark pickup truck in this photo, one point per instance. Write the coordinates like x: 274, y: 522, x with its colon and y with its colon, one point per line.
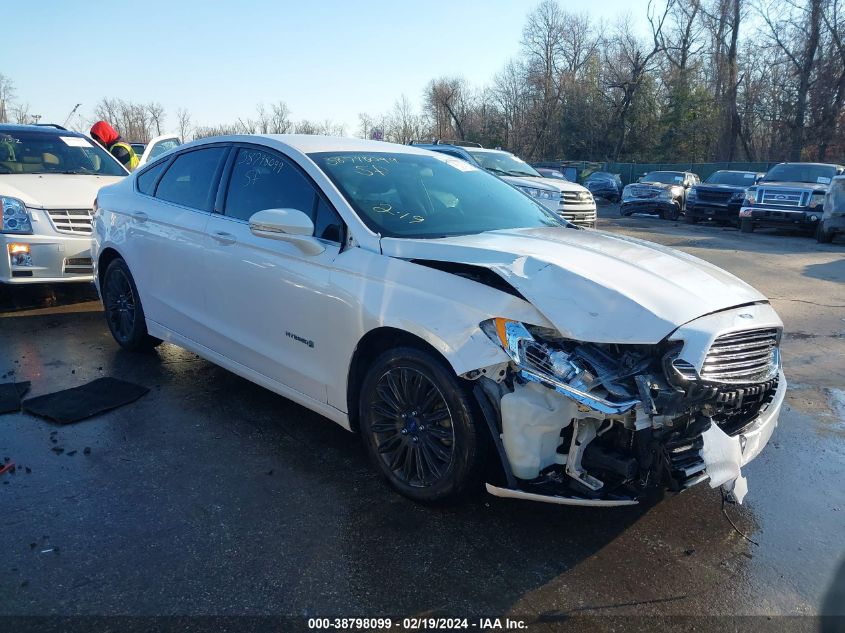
x: 719, y: 197
x: 790, y: 195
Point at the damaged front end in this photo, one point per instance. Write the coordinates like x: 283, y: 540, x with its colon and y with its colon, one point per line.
x: 606, y: 424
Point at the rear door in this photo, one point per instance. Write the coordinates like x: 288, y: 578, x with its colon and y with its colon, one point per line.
x: 266, y: 299
x: 168, y: 237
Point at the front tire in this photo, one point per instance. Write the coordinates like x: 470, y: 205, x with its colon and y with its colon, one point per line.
x: 419, y: 426
x: 746, y: 225
x: 124, y: 312
x: 823, y: 236
x: 671, y: 214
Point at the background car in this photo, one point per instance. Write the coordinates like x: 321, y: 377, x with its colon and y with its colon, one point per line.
x: 719, y: 197
x: 833, y: 218
x: 790, y: 195
x: 467, y: 333
x: 658, y: 192
x: 49, y: 178
x: 158, y: 146
x: 603, y: 184
x: 571, y: 201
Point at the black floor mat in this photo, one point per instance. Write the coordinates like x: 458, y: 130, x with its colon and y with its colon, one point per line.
x: 72, y: 405
x: 11, y: 394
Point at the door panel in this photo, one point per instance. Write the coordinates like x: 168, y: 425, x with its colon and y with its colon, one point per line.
x: 266, y: 299
x: 266, y: 302
x: 169, y: 233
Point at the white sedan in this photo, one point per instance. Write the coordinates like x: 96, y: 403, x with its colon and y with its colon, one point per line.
x: 467, y: 333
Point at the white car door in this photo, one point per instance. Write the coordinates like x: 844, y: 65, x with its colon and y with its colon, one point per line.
x: 158, y: 146
x: 266, y: 298
x: 168, y: 221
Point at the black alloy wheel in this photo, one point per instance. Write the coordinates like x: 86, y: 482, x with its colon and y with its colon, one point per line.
x: 124, y: 313
x: 418, y: 424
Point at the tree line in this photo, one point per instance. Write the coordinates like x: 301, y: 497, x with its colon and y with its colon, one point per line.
x: 723, y: 80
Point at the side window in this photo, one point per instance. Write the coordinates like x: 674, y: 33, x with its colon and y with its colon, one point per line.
x: 147, y: 179
x: 191, y: 179
x: 264, y: 180
x: 327, y: 223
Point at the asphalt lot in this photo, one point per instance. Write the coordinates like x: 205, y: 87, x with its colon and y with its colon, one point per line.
x: 211, y: 495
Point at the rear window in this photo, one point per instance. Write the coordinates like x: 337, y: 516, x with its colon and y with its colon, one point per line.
x: 191, y: 179
x: 23, y: 152
x: 737, y: 178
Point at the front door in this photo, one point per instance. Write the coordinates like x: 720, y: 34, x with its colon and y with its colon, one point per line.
x: 267, y: 299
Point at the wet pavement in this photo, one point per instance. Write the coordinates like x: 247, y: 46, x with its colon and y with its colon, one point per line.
x: 211, y: 495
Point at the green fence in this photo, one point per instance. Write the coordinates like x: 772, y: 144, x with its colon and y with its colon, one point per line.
x: 629, y: 172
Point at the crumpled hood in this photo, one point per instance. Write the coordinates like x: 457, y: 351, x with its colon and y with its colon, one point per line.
x: 55, y: 191
x: 593, y: 286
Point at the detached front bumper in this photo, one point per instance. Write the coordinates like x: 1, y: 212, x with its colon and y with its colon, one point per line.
x: 53, y: 259
x: 771, y: 216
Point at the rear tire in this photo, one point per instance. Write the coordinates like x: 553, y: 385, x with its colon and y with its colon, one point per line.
x: 124, y: 312
x: 419, y: 426
x: 746, y: 225
x: 823, y: 236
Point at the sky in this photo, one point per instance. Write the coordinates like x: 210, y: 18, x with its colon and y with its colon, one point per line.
x: 326, y: 59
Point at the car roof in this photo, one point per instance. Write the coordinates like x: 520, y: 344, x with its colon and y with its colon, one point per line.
x: 38, y: 129
x: 312, y: 143
x: 837, y: 166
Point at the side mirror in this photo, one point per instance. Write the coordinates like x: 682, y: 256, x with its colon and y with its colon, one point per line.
x: 287, y: 225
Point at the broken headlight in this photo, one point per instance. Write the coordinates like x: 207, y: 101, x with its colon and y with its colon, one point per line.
x: 574, y: 372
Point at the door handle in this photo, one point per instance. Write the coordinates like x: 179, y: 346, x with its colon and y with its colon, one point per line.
x: 224, y: 238
x: 140, y: 216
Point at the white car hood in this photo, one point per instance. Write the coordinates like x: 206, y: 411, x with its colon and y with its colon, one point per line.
x: 55, y: 191
x: 562, y: 185
x: 593, y: 286
x: 537, y: 183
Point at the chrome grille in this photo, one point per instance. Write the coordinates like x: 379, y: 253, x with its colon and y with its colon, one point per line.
x: 78, y: 266
x: 74, y: 221
x: 742, y: 357
x: 714, y: 196
x: 579, y: 217
x: 783, y: 197
x: 643, y: 192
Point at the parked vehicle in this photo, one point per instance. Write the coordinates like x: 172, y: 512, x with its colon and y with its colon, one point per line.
x: 663, y: 193
x: 546, y: 172
x: 603, y: 184
x: 719, y: 197
x: 833, y: 217
x: 138, y: 148
x: 49, y: 177
x: 462, y: 329
x: 158, y: 146
x: 789, y: 195
x: 568, y: 199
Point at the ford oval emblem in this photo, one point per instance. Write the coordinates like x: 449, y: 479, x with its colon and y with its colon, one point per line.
x: 745, y: 315
x: 780, y: 197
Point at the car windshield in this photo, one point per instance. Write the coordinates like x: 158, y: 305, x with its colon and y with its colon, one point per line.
x: 799, y: 172
x: 601, y: 175
x: 504, y: 164
x: 738, y: 178
x: 551, y: 173
x: 422, y: 196
x: 41, y: 153
x: 665, y: 177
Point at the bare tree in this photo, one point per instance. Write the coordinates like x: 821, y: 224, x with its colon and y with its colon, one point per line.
x: 156, y: 112
x: 183, y: 121
x: 7, y: 93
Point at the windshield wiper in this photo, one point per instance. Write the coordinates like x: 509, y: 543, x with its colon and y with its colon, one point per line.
x: 497, y: 171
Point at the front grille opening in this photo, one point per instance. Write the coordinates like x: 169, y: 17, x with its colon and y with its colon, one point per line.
x: 742, y: 357
x: 72, y: 221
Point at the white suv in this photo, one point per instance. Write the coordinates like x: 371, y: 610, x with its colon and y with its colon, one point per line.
x: 49, y: 178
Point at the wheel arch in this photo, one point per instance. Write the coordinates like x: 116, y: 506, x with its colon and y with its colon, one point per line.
x: 106, y: 257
